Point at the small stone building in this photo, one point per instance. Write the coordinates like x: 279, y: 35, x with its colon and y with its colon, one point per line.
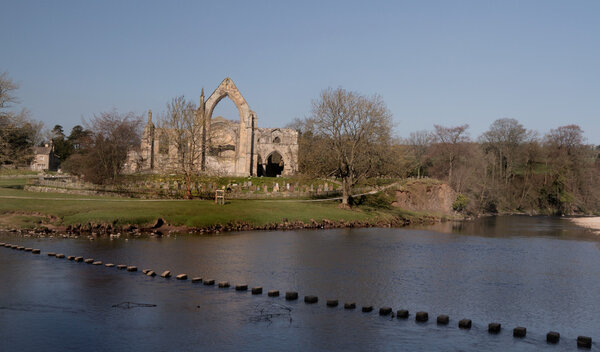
x: 44, y: 158
x: 233, y: 148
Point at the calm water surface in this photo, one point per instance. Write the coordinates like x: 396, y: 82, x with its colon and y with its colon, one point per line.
x: 538, y: 272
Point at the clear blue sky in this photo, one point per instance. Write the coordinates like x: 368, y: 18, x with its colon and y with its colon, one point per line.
x: 433, y: 62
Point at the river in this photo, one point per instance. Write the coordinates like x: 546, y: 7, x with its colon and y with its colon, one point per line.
x: 537, y: 272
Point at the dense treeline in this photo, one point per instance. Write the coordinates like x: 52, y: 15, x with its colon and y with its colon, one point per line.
x: 509, y: 168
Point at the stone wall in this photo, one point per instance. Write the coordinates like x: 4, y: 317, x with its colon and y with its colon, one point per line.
x: 203, y: 190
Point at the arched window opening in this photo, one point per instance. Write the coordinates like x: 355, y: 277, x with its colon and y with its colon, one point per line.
x: 276, y: 140
x: 275, y: 165
x: 163, y: 144
x: 260, y: 171
x: 227, y: 109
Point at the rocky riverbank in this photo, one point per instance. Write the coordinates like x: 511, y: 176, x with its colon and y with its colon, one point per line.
x: 161, y: 227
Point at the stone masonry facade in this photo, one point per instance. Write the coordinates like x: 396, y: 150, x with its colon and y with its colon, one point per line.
x: 229, y: 148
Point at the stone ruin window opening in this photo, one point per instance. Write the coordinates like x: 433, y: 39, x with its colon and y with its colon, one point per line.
x: 163, y: 144
x: 227, y: 109
x: 276, y: 140
x: 275, y: 165
x: 222, y: 138
x: 260, y: 171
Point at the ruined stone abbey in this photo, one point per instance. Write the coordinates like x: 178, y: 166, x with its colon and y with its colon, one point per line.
x: 228, y: 147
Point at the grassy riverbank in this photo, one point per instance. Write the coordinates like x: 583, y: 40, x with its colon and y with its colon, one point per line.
x: 22, y: 209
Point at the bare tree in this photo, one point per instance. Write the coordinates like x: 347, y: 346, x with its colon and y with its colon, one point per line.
x: 18, y: 132
x: 103, y: 151
x: 352, y: 130
x: 419, y: 143
x: 7, y: 89
x: 504, y: 140
x: 184, y: 124
x: 451, y: 144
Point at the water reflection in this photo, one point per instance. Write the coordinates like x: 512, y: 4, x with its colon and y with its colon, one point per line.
x: 535, y: 272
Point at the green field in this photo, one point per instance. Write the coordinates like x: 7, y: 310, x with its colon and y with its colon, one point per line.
x: 20, y: 208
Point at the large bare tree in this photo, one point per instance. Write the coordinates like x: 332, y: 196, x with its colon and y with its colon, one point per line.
x: 104, y: 149
x: 419, y: 143
x: 504, y: 140
x: 352, y: 130
x: 451, y: 144
x: 18, y: 132
x: 184, y: 124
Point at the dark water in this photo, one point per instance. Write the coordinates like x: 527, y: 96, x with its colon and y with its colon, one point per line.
x: 540, y: 273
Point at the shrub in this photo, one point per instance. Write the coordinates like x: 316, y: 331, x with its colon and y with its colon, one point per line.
x: 460, y: 204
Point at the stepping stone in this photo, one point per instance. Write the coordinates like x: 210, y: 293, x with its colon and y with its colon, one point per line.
x: 351, y: 305
x: 121, y: 266
x: 209, y: 282
x: 60, y: 256
x: 385, y: 311
x: 89, y: 261
x: 421, y: 317
x: 257, y: 290
x: 584, y: 342
x: 311, y: 299
x: 132, y: 268
x: 151, y: 273
x: 367, y: 309
x: 273, y: 293
x: 519, y: 331
x: 291, y: 295
x: 109, y: 265
x: 552, y: 337
x: 494, y: 328
x: 443, y: 319
x: 196, y: 279
x: 241, y: 287
x: 97, y: 263
x: 51, y: 254
x: 402, y: 314
x: 223, y: 284
x: 181, y: 277
x: 166, y: 274
x: 464, y: 324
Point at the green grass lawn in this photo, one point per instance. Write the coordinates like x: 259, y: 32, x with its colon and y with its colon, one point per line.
x: 63, y: 209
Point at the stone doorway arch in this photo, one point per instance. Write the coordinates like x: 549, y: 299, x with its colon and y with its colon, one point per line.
x: 274, y: 165
x: 245, y: 149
